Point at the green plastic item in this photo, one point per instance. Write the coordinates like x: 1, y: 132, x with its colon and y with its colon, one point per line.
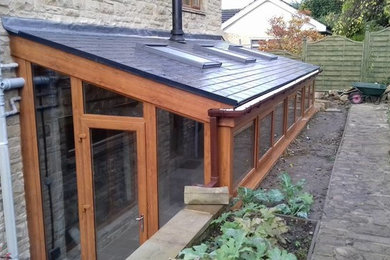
x: 370, y: 89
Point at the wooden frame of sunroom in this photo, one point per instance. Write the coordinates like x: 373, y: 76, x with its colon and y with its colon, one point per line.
x: 222, y: 123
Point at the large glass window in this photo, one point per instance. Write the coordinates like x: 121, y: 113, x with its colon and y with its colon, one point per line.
x: 100, y: 101
x: 265, y: 126
x: 278, y: 121
x: 53, y: 111
x: 180, y: 160
x: 114, y: 158
x: 291, y: 111
x: 243, y: 154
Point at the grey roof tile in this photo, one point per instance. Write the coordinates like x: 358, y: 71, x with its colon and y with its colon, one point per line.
x: 234, y: 83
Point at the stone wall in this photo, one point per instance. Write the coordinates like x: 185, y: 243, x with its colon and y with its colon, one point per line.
x: 148, y: 14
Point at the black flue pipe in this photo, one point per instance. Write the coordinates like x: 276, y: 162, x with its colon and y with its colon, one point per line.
x: 177, y: 33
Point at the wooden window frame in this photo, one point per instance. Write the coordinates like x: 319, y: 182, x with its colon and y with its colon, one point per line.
x: 192, y: 5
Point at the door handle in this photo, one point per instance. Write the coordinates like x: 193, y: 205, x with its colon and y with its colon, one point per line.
x: 140, y: 220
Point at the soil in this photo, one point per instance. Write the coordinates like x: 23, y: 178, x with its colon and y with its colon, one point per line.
x: 311, y: 156
x: 299, y: 236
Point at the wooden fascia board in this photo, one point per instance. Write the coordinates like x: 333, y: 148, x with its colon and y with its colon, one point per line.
x: 264, y: 108
x: 163, y: 96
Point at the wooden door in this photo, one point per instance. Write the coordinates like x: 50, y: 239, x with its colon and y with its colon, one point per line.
x: 114, y: 210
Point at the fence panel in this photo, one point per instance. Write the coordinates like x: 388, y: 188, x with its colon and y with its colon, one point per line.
x: 341, y: 60
x: 377, y: 64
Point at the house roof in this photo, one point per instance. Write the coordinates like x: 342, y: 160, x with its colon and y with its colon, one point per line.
x: 234, y: 82
x: 258, y: 3
x: 228, y: 13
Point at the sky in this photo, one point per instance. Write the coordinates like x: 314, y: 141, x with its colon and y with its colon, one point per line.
x: 238, y: 4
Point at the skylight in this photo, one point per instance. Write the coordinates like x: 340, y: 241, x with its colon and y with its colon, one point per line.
x: 181, y: 56
x: 227, y: 54
x: 263, y: 55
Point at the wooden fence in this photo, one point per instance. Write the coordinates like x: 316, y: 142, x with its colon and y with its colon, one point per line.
x: 344, y: 61
x: 341, y: 60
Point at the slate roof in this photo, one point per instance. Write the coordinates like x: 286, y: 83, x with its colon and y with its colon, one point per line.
x: 228, y: 13
x: 234, y: 83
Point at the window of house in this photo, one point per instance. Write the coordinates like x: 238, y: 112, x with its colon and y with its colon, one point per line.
x: 180, y: 160
x: 194, y: 4
x: 243, y: 160
x: 265, y: 133
x: 57, y: 162
x: 278, y: 121
x: 291, y: 111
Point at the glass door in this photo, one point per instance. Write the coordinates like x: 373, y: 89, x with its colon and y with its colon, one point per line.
x: 117, y: 183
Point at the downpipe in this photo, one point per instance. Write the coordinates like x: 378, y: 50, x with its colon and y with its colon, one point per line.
x: 5, y: 168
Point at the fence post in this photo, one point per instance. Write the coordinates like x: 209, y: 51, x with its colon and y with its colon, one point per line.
x: 365, y: 56
x: 304, y: 49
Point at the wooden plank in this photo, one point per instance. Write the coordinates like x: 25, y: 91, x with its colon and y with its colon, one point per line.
x: 163, y: 96
x: 225, y: 157
x: 150, y: 117
x: 142, y: 184
x: 207, y: 152
x: 83, y: 175
x: 31, y: 171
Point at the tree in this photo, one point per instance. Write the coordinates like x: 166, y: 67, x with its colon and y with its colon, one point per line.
x: 289, y: 35
x: 359, y: 15
x: 326, y: 11
x: 321, y: 8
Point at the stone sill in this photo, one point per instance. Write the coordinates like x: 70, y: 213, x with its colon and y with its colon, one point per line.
x: 180, y: 232
x: 193, y: 11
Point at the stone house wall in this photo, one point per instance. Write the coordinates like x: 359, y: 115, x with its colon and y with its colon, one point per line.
x: 148, y: 14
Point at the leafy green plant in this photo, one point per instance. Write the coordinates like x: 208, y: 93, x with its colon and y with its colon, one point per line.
x: 298, y: 202
x: 288, y: 187
x: 248, y: 233
x: 247, y: 195
x: 277, y: 254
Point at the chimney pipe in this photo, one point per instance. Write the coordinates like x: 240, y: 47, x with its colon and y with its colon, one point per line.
x: 177, y: 33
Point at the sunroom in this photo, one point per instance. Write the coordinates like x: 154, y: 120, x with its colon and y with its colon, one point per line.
x: 115, y: 122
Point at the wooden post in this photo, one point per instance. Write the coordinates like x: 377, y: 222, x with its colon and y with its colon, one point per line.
x: 304, y: 49
x: 31, y: 172
x: 225, y: 156
x: 150, y: 117
x: 365, y: 56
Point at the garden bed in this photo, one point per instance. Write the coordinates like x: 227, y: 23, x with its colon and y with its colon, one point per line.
x: 310, y: 157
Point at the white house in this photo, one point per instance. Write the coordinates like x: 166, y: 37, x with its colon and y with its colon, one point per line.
x: 246, y: 22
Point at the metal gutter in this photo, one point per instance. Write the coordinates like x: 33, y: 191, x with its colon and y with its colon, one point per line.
x: 247, y: 107
x: 5, y: 168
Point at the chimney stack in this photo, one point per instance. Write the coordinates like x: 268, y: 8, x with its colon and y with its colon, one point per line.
x: 177, y: 33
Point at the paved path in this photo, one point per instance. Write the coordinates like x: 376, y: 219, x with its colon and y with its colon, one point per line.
x: 356, y: 220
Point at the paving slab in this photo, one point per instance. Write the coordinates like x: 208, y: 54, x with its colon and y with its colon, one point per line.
x: 356, y: 219
x: 178, y: 233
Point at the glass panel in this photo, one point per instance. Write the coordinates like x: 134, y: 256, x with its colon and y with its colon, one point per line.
x: 180, y: 160
x: 278, y: 121
x: 265, y: 134
x: 243, y: 153
x: 53, y: 111
x: 196, y: 4
x: 299, y: 104
x: 307, y: 97
x: 312, y: 92
x: 291, y: 110
x: 114, y: 159
x: 103, y: 102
